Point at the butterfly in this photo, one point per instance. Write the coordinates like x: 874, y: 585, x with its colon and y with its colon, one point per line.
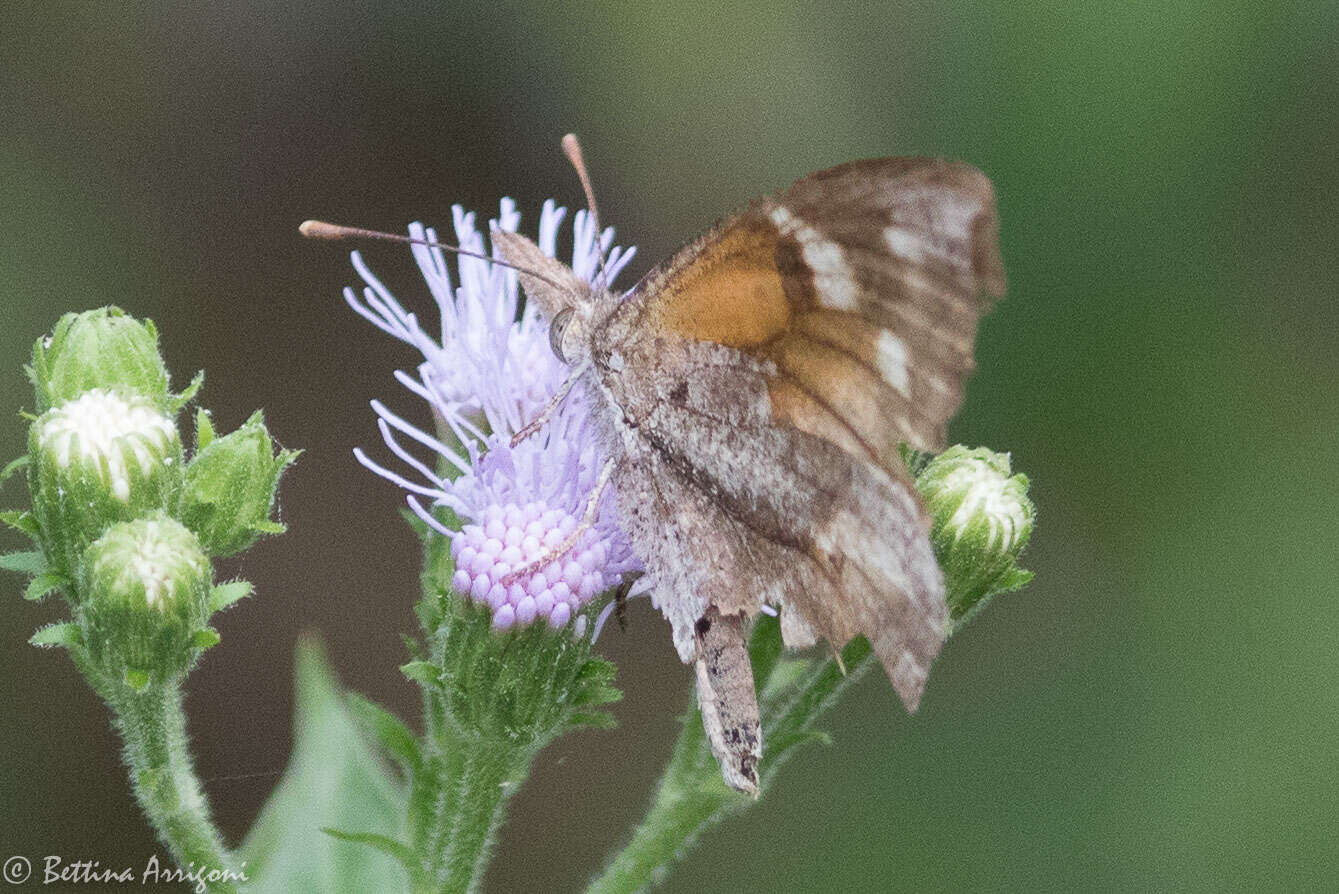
x: 751, y: 394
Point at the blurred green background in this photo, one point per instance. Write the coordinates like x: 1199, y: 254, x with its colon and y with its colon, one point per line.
x: 1158, y: 711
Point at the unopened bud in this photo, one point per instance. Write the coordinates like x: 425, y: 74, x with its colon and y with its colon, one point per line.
x: 230, y: 487
x: 101, y: 458
x: 101, y: 348
x: 145, y: 587
x: 982, y: 520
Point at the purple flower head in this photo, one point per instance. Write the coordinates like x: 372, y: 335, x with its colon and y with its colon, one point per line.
x: 530, y: 545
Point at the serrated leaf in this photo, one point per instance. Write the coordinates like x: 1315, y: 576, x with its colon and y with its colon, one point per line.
x: 333, y: 780
x: 389, y: 730
x: 383, y: 843
x: 62, y: 634
x: 226, y: 594
x: 21, y: 520
x: 28, y: 562
x: 43, y: 584
x: 421, y: 672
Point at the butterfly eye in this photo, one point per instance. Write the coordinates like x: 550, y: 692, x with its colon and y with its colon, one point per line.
x: 556, y: 330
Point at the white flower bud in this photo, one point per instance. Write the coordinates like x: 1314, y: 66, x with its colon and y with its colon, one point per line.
x: 982, y: 520
x: 98, y: 459
x: 145, y: 586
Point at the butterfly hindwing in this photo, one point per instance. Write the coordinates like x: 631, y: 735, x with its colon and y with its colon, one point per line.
x: 730, y: 511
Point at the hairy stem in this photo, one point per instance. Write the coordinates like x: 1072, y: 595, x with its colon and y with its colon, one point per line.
x: 153, y: 726
x: 688, y: 799
x: 474, y: 780
x: 792, y: 694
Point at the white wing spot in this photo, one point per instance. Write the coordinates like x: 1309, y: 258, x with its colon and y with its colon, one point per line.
x: 891, y: 358
x: 832, y: 275
x: 905, y: 244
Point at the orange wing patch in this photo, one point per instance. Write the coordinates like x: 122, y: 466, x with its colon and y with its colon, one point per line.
x: 726, y: 288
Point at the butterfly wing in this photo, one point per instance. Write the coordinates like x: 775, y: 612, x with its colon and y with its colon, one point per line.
x: 863, y: 284
x: 769, y: 371
x: 729, y: 510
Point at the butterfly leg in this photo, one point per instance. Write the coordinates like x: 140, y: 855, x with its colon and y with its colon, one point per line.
x: 726, y: 697
x: 585, y: 524
x: 534, y: 425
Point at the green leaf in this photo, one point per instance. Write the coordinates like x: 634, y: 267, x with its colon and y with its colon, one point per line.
x: 13, y: 467
x: 44, y: 584
x: 21, y: 520
x: 180, y: 400
x: 137, y: 679
x: 333, y: 780
x: 64, y: 634
x: 592, y: 720
x: 32, y: 562
x: 915, y: 460
x: 598, y: 694
x: 396, y: 849
x: 421, y: 672
x: 389, y: 730
x: 418, y: 525
x: 226, y: 594
x: 268, y: 527
x: 204, y: 429
x: 206, y: 639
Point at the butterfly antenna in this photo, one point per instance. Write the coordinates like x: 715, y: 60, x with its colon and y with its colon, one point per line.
x: 328, y: 232
x: 572, y: 149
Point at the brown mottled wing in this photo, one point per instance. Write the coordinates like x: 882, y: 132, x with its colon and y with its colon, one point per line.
x: 729, y: 510
x: 863, y: 284
x: 770, y: 370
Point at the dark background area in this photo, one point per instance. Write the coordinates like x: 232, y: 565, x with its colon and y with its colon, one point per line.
x: 1158, y: 711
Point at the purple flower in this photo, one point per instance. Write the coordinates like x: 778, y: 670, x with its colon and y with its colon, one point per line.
x: 526, y: 546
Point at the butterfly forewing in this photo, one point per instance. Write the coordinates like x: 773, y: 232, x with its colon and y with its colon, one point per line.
x: 863, y: 284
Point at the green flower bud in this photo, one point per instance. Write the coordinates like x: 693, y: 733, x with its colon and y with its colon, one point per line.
x: 982, y: 520
x: 230, y: 486
x: 101, y: 458
x: 145, y: 587
x: 101, y: 348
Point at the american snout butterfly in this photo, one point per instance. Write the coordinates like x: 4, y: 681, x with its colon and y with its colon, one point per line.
x: 751, y: 394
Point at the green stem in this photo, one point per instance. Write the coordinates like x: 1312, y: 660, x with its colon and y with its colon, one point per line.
x: 474, y: 780
x: 153, y: 726
x: 492, y: 700
x: 689, y: 798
